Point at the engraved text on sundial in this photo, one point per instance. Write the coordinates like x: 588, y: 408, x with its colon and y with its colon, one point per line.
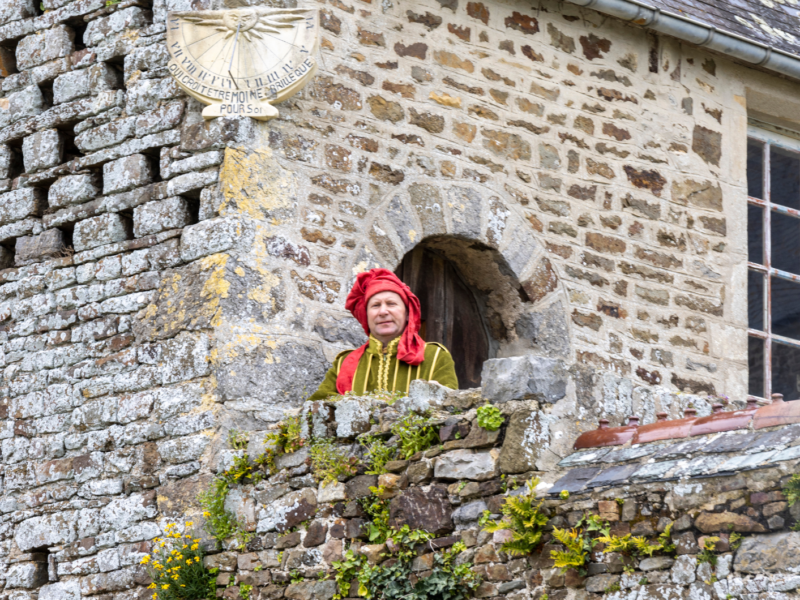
x: 243, y: 60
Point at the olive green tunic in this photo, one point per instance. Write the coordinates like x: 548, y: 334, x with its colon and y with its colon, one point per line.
x: 379, y: 369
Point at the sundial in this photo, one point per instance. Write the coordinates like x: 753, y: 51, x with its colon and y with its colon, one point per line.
x: 242, y: 60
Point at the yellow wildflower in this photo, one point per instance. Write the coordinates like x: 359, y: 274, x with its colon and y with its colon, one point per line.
x: 165, y: 586
x: 189, y: 523
x: 146, y: 559
x: 152, y: 586
x: 194, y: 547
x: 206, y: 514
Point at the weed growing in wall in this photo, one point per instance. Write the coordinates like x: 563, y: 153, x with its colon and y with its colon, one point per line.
x: 287, y: 440
x: 176, y: 568
x: 490, y: 417
x: 416, y: 434
x: 221, y: 523
x: 328, y: 462
x: 377, y: 455
x: 522, y: 516
x: 578, y: 543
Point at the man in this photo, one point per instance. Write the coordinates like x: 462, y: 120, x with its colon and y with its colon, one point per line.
x: 395, y: 354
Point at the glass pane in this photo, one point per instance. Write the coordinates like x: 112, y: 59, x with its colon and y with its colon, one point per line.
x: 785, y: 242
x: 755, y: 300
x: 785, y: 307
x: 786, y: 371
x: 755, y: 365
x: 755, y: 234
x: 755, y: 169
x: 785, y: 177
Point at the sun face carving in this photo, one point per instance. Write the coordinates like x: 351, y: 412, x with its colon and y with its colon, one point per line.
x: 242, y: 58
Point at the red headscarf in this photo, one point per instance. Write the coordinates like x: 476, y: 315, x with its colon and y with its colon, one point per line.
x: 410, y: 349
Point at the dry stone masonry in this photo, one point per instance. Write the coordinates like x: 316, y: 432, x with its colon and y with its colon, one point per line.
x: 165, y: 280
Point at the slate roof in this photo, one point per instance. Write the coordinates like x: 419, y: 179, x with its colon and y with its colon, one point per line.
x: 775, y: 23
x: 715, y: 455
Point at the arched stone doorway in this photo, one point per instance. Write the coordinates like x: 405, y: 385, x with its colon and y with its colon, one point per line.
x: 452, y: 310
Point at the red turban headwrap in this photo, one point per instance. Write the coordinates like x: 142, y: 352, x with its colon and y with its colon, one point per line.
x: 410, y: 349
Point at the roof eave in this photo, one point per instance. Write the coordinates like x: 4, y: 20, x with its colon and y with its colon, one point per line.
x: 698, y: 33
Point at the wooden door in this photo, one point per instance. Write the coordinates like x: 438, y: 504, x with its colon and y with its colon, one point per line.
x: 450, y: 312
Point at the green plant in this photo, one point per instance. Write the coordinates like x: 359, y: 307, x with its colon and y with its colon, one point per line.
x: 522, y: 516
x: 295, y: 576
x: 623, y: 544
x: 792, y: 489
x: 490, y: 417
x: 614, y: 587
x: 578, y: 543
x: 345, y: 571
x: 619, y: 501
x: 328, y: 462
x: 258, y: 567
x: 221, y: 523
x: 112, y: 2
x: 564, y: 494
x: 544, y: 597
x: 416, y: 434
x: 245, y: 591
x: 574, y: 555
x: 377, y: 455
x: 393, y: 580
x: 176, y: 567
x: 238, y: 440
x: 643, y: 581
x: 707, y: 553
x: 735, y: 540
x: 286, y: 440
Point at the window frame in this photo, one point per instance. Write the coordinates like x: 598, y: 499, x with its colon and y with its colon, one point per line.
x: 769, y: 139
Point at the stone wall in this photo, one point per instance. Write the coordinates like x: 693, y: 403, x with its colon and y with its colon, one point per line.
x: 166, y: 279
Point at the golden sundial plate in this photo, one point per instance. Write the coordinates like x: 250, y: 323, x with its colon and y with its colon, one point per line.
x: 242, y: 61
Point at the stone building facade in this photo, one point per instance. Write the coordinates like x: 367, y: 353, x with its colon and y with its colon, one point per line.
x: 167, y: 279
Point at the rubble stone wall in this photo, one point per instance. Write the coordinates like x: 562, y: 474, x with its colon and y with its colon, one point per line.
x: 166, y: 279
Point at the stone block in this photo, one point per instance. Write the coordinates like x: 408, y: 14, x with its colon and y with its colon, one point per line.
x: 311, y: 590
x: 47, y: 530
x: 85, y: 82
x: 331, y: 492
x: 52, y: 43
x: 470, y: 512
x: 65, y: 590
x: 683, y: 570
x: 73, y: 189
x: 154, y: 217
x: 99, y: 30
x: 27, y: 102
x: 6, y: 161
x: 16, y: 205
x: 42, y: 150
x: 524, y: 377
x: 287, y: 512
x: 526, y: 437
x: 98, y: 231
x: 210, y: 237
x: 126, y: 173
x: 352, y: 417
x: 419, y: 509
x: 34, y: 248
x: 466, y: 464
x: 106, y: 135
x: 14, y: 10
x: 768, y: 553
x: 26, y: 575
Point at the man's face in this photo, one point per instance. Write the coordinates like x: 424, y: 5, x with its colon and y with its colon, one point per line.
x: 386, y: 316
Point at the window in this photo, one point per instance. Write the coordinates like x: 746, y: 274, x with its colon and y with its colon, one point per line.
x: 773, y: 260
